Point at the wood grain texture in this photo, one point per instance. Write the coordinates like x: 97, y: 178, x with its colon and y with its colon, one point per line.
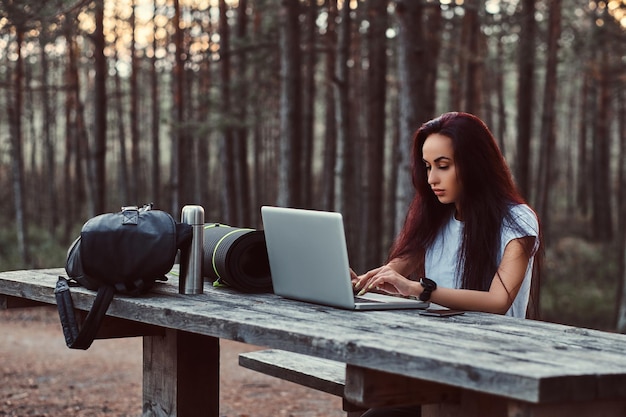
x: 320, y: 374
x: 180, y: 375
x: 316, y: 373
x: 375, y: 388
x: 529, y: 361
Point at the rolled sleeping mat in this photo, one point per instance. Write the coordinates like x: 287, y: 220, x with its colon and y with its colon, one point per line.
x: 236, y: 257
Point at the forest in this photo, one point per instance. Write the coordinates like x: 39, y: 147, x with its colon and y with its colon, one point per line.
x: 232, y: 104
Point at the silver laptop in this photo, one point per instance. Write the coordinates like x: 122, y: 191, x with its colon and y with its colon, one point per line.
x: 309, y: 261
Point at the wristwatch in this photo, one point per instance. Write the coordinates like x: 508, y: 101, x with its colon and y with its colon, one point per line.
x: 429, y: 286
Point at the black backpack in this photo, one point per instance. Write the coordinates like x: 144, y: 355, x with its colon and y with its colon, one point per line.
x: 124, y: 252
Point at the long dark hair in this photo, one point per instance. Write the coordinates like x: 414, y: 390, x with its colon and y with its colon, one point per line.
x: 487, y: 191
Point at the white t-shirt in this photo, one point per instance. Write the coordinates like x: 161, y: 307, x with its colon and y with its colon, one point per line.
x: 442, y: 255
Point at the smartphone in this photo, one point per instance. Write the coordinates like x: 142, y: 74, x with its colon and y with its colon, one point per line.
x: 440, y: 312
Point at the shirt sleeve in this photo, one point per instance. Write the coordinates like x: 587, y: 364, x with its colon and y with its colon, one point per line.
x: 522, y: 222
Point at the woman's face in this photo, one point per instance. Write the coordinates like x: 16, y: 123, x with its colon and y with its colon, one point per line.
x: 438, y: 155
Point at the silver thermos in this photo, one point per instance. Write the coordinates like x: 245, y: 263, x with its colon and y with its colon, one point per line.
x: 191, y: 280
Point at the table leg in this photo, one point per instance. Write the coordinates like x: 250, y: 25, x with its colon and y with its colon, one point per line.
x: 180, y: 375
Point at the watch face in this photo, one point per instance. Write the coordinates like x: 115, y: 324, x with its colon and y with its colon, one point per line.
x: 429, y: 286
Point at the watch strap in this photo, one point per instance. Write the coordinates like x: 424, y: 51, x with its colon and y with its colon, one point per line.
x: 429, y: 286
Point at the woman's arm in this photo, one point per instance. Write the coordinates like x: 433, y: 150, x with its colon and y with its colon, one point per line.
x: 504, y: 287
x: 503, y: 290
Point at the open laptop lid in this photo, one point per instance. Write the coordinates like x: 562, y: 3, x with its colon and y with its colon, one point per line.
x: 308, y: 255
x: 309, y: 260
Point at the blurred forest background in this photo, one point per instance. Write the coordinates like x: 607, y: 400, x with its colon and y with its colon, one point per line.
x: 312, y: 103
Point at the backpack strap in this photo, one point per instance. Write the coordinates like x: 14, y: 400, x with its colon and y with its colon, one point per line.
x: 75, y: 338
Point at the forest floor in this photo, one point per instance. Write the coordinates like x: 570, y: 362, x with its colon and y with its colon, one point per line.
x: 40, y: 376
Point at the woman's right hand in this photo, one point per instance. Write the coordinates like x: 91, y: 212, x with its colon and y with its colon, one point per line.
x: 386, y: 279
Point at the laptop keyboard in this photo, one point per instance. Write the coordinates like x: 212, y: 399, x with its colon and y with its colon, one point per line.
x: 358, y: 299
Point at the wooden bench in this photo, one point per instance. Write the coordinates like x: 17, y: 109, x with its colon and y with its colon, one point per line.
x: 316, y: 373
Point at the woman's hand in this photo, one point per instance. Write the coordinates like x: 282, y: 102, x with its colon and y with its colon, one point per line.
x: 353, y: 277
x: 385, y: 279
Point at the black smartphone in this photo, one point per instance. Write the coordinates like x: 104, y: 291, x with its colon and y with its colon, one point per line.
x: 440, y: 312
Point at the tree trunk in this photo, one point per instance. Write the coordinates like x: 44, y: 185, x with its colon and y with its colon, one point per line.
x: 70, y: 191
x: 602, y: 229
x: 584, y: 178
x: 229, y: 196
x: 135, y: 161
x: 155, y: 178
x: 191, y: 170
x: 123, y: 182
x: 547, y: 174
x: 373, y: 199
x: 473, y: 59
x: 330, y: 132
x: 418, y: 49
x: 100, y: 113
x: 309, y: 191
x: 410, y: 40
x: 178, y: 115
x: 343, y: 176
x: 260, y: 164
x: 244, y: 214
x: 429, y: 64
x: 621, y: 323
x: 290, y: 172
x: 501, y: 107
x: 621, y: 204
x: 49, y: 127
x: 30, y: 140
x: 355, y: 146
x: 525, y: 95
x: 206, y: 187
x: 17, y: 154
x: 570, y: 131
x: 621, y: 184
x: 74, y: 190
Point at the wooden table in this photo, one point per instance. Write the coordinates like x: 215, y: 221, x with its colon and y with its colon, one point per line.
x: 472, y: 365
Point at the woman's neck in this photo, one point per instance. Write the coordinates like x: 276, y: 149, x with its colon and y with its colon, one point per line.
x: 457, y: 214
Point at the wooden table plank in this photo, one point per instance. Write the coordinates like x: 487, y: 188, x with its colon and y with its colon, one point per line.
x: 520, y: 359
x: 373, y: 388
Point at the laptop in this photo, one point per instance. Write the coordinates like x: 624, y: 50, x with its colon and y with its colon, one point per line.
x: 308, y: 260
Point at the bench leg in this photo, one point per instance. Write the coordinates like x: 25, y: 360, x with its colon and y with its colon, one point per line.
x: 180, y: 375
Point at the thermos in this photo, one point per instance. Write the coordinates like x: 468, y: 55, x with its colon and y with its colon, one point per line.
x: 191, y: 280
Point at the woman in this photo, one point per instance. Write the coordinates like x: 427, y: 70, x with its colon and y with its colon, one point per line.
x: 468, y: 229
x: 468, y: 236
